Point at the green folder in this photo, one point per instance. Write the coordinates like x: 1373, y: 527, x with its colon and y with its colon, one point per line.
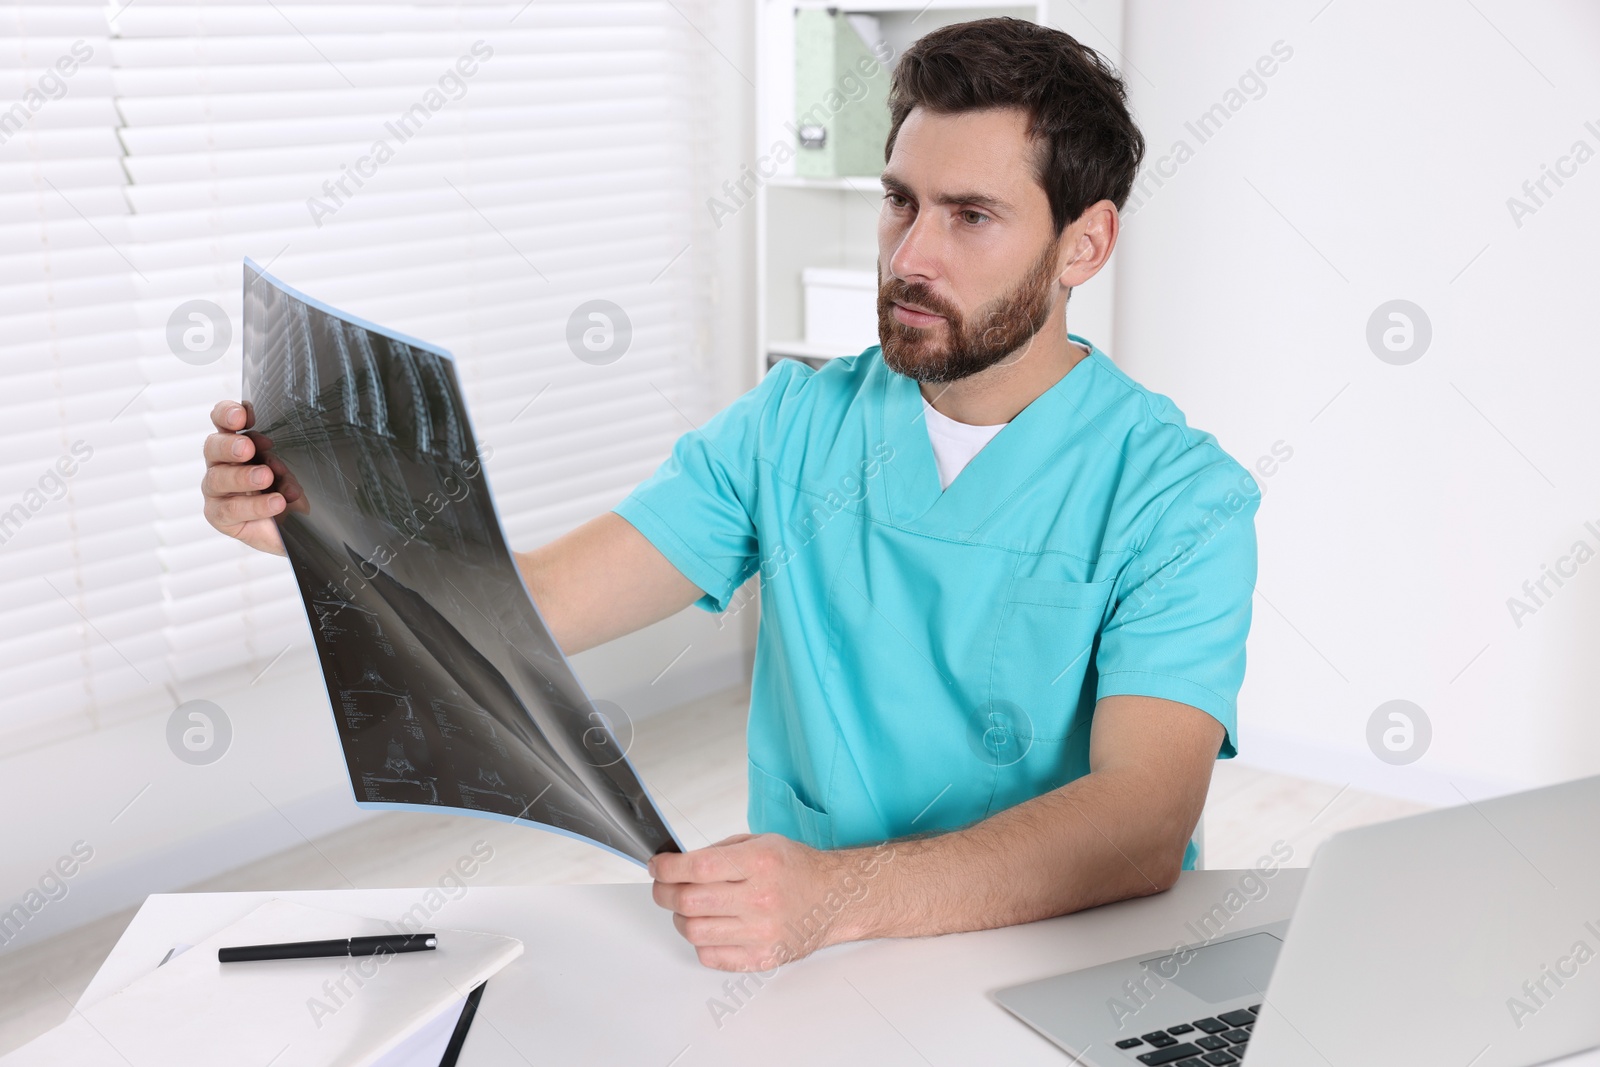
x: 841, y: 98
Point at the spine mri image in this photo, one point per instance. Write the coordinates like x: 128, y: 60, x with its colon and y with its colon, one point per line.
x: 447, y: 689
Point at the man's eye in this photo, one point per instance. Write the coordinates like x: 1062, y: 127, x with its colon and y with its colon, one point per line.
x: 894, y: 199
x: 973, y: 217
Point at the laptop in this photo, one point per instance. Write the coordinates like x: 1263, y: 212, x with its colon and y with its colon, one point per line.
x: 1467, y: 936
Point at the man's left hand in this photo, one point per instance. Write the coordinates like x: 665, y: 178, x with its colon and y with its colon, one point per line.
x: 753, y: 901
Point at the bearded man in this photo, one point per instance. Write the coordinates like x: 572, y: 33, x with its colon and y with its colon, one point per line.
x: 1005, y: 589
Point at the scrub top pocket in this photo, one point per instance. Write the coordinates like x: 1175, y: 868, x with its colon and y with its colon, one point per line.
x: 777, y: 808
x: 1042, y: 675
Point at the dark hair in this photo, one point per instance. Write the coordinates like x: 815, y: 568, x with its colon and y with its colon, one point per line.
x: 1088, y: 146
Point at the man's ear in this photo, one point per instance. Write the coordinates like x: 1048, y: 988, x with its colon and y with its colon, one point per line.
x: 1087, y: 242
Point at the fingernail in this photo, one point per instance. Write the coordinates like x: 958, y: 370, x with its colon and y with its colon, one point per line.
x: 261, y: 476
x: 238, y: 447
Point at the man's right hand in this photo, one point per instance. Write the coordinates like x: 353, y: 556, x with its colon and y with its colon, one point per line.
x: 235, y: 484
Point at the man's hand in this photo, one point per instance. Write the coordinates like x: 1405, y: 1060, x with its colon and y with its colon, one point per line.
x: 235, y: 483
x: 752, y: 902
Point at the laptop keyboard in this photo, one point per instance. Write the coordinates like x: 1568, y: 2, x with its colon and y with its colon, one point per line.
x: 1214, y: 1041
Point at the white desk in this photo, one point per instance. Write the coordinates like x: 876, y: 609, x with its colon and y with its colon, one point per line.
x: 605, y: 978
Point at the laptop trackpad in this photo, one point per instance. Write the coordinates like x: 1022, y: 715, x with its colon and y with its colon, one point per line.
x: 1220, y: 972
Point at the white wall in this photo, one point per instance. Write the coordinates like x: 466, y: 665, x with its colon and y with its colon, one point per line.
x: 1376, y: 164
x: 1099, y: 25
x: 283, y: 780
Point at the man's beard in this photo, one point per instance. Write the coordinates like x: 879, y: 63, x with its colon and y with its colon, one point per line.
x: 998, y: 329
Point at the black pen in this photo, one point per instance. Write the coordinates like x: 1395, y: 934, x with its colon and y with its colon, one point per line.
x: 344, y: 946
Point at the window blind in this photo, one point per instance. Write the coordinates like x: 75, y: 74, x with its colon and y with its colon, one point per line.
x: 474, y: 174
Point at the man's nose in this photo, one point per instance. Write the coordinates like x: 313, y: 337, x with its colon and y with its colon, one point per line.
x: 917, y: 254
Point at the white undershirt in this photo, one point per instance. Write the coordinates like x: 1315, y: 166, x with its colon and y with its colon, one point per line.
x: 954, y: 443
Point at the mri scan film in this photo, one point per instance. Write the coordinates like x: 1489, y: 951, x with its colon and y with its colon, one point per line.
x: 447, y: 689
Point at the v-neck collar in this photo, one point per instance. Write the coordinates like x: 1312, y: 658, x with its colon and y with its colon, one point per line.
x: 1001, y: 468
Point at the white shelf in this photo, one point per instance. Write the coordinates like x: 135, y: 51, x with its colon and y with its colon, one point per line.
x: 906, y: 5
x: 811, y: 350
x: 852, y: 184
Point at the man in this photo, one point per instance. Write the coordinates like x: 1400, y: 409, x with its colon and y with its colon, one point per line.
x: 1004, y: 589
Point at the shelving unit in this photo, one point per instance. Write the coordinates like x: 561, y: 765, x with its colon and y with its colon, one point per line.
x: 803, y: 222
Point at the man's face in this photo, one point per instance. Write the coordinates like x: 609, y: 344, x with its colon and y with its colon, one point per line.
x: 967, y: 258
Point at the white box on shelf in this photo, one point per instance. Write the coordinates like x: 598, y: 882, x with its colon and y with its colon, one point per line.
x: 841, y: 307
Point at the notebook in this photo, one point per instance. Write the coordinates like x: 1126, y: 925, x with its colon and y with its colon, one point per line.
x: 436, y: 1044
x: 335, y: 1012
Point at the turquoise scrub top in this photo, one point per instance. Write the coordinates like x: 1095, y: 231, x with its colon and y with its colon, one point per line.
x: 928, y: 658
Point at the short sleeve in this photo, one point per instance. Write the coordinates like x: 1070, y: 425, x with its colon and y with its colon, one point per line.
x: 1183, y: 603
x: 698, y: 509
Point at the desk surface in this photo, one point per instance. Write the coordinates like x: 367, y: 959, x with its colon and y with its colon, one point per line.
x: 605, y: 978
